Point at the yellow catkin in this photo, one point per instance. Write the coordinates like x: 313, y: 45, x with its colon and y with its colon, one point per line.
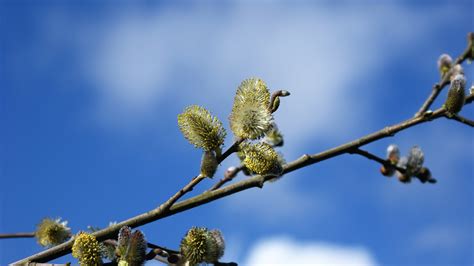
x: 201, y: 129
x: 251, y: 117
x: 51, y: 232
x: 86, y: 249
x: 261, y: 158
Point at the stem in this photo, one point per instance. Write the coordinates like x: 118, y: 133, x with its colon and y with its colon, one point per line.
x: 230, y: 150
x: 462, y: 119
x: 373, y: 157
x: 18, y: 235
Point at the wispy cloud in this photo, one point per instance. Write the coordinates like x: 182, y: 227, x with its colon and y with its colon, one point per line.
x: 286, y: 251
x: 140, y: 59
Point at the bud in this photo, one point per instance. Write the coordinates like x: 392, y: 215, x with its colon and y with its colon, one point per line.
x: 231, y: 172
x: 215, y: 246
x: 393, y: 153
x: 455, y: 70
x: 444, y: 64
x: 275, y: 98
x: 387, y: 171
x: 251, y: 117
x: 414, y: 161
x: 201, y: 129
x: 131, y: 247
x: 273, y: 137
x: 51, y: 232
x: 261, y: 159
x: 275, y: 104
x: 208, y: 164
x: 86, y: 249
x: 402, y: 163
x: 455, y: 100
x: 424, y: 175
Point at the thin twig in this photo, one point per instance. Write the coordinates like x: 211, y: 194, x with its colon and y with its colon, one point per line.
x: 170, y: 251
x: 255, y: 181
x: 374, y: 157
x: 437, y: 88
x: 229, y: 176
x: 18, y: 235
x: 462, y: 119
x: 230, y: 150
x: 196, y: 180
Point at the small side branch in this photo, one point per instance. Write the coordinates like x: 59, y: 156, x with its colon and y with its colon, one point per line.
x: 462, y: 119
x: 230, y: 150
x: 373, y: 157
x: 18, y: 235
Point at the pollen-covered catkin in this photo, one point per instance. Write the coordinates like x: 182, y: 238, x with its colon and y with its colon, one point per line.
x: 261, y: 158
x: 201, y: 129
x: 250, y: 117
x: 86, y: 249
x: 51, y: 232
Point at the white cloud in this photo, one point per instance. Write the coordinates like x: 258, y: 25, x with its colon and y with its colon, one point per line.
x: 285, y: 251
x: 316, y: 52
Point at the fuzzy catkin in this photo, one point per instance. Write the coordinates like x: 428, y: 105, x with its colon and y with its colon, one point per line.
x: 250, y: 117
x: 201, y: 129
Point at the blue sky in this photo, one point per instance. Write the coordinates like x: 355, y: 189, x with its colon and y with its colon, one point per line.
x: 89, y: 93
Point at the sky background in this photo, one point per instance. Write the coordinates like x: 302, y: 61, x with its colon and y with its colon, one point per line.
x: 90, y: 91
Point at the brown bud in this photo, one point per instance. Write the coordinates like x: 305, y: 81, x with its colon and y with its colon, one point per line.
x: 424, y: 174
x: 387, y: 171
x: 444, y: 64
x: 403, y: 178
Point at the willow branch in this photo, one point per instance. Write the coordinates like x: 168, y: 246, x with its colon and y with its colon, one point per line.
x: 255, y: 181
x: 18, y: 235
x: 462, y: 119
x: 438, y: 87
